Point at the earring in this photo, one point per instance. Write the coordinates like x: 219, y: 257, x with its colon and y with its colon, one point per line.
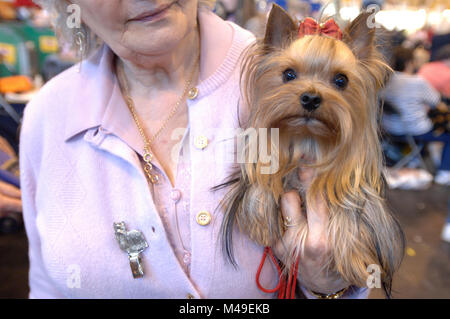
x: 80, y: 40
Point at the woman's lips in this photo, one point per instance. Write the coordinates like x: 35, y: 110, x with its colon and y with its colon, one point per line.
x: 153, y: 15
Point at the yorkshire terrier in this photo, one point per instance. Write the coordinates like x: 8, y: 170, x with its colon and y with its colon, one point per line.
x: 318, y: 86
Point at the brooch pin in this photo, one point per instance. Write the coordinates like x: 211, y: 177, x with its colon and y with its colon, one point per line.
x: 133, y: 243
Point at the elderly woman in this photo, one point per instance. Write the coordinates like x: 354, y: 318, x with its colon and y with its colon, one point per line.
x: 119, y: 155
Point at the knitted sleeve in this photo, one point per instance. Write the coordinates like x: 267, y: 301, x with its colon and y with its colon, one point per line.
x: 41, y: 285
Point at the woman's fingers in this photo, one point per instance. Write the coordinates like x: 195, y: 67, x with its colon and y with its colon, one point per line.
x: 293, y: 217
x: 9, y: 190
x: 291, y: 209
x: 316, y: 217
x: 318, y: 214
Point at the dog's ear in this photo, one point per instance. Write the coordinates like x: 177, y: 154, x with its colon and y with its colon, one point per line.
x: 281, y: 28
x: 360, y: 37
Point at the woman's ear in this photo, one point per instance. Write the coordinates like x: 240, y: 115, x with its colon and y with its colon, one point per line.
x: 360, y: 37
x: 281, y: 28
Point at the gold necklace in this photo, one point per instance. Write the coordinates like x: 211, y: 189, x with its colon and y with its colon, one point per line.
x: 148, y: 156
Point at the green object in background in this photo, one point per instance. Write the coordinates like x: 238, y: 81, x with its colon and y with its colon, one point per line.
x: 25, y: 48
x: 14, y: 54
x: 43, y: 39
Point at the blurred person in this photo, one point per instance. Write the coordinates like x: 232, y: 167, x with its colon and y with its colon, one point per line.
x: 437, y: 73
x: 10, y: 195
x: 118, y: 158
x: 6, y: 148
x: 256, y: 22
x: 10, y: 199
x: 226, y: 9
x: 421, y: 57
x: 412, y: 97
x: 238, y: 11
x: 300, y: 9
x: 438, y: 41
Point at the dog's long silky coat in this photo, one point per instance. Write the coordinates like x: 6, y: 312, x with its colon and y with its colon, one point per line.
x: 341, y: 136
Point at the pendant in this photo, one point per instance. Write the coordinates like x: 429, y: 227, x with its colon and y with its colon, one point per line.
x: 148, y: 167
x: 133, y: 243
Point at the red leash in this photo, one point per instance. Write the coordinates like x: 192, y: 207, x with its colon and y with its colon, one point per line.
x: 268, y: 250
x: 283, y: 291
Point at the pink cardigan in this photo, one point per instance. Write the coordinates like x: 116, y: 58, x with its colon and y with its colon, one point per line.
x: 81, y: 173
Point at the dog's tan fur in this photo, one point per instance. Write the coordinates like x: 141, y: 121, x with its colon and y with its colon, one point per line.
x: 341, y: 137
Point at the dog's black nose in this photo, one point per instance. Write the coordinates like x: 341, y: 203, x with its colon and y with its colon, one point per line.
x: 310, y: 101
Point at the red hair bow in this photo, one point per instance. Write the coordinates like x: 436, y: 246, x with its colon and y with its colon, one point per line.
x: 310, y: 27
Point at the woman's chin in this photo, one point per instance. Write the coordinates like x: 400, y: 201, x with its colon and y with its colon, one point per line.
x: 149, y: 41
x: 149, y: 45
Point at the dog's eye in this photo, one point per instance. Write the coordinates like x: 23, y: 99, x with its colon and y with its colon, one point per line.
x: 289, y: 75
x: 341, y: 81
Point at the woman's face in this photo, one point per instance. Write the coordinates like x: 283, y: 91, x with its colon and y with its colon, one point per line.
x: 139, y: 27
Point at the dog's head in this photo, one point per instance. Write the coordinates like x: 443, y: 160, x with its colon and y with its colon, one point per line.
x: 321, y: 93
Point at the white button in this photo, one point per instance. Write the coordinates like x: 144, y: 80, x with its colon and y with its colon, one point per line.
x: 187, y: 258
x: 201, y: 142
x: 203, y: 218
x: 175, y: 195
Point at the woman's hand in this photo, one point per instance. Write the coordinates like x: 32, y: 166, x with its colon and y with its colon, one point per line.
x: 312, y: 274
x: 10, y: 199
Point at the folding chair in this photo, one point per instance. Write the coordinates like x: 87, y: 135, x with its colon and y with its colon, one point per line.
x: 416, y: 148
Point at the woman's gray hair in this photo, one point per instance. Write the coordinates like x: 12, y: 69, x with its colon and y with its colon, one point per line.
x: 59, y: 17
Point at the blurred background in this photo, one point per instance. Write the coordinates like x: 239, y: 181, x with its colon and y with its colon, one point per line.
x: 414, y: 37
